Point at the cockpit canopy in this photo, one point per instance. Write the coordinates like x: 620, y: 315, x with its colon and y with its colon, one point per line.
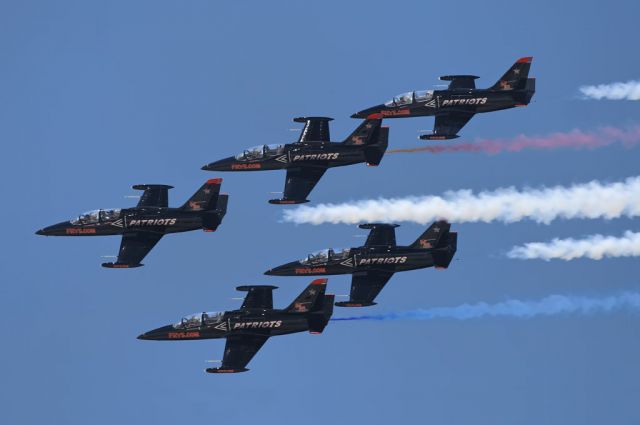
x: 259, y: 152
x: 325, y: 255
x: 197, y: 319
x: 97, y: 216
x: 410, y: 97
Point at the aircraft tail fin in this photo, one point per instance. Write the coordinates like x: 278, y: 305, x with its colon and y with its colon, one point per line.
x: 320, y: 316
x: 366, y: 133
x: 212, y: 219
x: 516, y: 77
x: 432, y: 236
x: 310, y: 299
x: 446, y: 249
x: 375, y: 151
x: 206, y: 198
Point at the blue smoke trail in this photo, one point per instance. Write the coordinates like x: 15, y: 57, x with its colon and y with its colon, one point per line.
x: 548, y: 306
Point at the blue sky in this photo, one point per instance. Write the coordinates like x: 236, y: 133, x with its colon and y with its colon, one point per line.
x: 98, y: 96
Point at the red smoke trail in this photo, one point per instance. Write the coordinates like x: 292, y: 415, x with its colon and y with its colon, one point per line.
x: 576, y: 139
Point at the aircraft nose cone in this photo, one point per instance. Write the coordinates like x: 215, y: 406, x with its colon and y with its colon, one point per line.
x: 365, y: 113
x: 221, y: 165
x: 40, y: 232
x: 276, y: 271
x: 361, y: 114
x: 284, y: 270
x: 142, y: 336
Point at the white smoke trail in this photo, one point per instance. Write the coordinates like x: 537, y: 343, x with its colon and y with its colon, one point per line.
x: 614, y: 91
x: 595, y: 247
x: 549, y: 306
x: 588, y: 200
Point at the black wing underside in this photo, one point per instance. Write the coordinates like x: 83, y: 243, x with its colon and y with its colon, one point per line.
x: 460, y: 82
x: 365, y: 287
x: 448, y: 124
x: 155, y: 195
x: 133, y: 248
x: 380, y: 234
x: 300, y: 182
x: 238, y: 352
x: 316, y: 129
x: 257, y: 297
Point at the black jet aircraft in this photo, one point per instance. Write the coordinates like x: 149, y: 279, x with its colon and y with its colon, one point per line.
x: 307, y: 159
x: 248, y: 328
x: 456, y: 105
x: 373, y: 264
x: 142, y: 227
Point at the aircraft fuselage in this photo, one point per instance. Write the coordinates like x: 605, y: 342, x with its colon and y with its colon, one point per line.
x: 308, y: 154
x: 466, y: 100
x: 389, y: 259
x: 148, y: 219
x: 238, y: 322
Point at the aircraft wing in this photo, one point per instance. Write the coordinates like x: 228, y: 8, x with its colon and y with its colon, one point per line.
x: 133, y: 248
x: 155, y: 195
x: 460, y: 81
x: 365, y: 287
x: 238, y: 352
x: 316, y: 129
x: 258, y: 296
x: 380, y: 234
x: 448, y: 124
x: 300, y: 182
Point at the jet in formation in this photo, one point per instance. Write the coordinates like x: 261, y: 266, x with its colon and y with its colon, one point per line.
x: 373, y: 264
x: 307, y: 159
x: 248, y: 328
x: 456, y: 105
x: 144, y: 225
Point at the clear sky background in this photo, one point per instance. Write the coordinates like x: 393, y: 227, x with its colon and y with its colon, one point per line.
x: 96, y: 96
